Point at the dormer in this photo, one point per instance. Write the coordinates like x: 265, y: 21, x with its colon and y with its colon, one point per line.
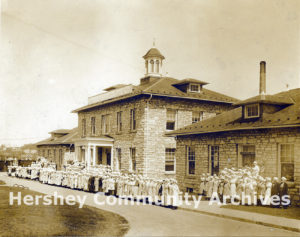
x: 258, y: 106
x: 59, y: 133
x: 190, y: 85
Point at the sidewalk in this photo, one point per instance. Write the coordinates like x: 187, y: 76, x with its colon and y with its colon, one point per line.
x: 251, y: 217
x: 205, y: 220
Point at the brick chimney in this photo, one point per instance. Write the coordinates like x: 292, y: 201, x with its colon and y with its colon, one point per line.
x: 262, y: 78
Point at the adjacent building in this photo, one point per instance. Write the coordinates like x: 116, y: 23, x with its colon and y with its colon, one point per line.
x: 265, y: 128
x: 125, y: 126
x: 59, y: 148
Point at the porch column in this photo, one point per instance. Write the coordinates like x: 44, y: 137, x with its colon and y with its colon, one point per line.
x: 112, y: 158
x: 88, y: 156
x: 77, y: 153
x: 94, y: 155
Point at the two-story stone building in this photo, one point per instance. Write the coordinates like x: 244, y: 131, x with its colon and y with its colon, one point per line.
x: 59, y: 148
x: 265, y: 128
x: 125, y: 126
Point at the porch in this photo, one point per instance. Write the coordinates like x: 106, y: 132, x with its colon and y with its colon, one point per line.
x: 95, y: 151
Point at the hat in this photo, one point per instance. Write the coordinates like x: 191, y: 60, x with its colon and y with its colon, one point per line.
x: 283, y: 179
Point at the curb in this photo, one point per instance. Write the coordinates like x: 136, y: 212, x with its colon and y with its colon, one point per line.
x: 294, y: 229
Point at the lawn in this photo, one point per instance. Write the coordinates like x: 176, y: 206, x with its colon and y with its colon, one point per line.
x: 41, y: 220
x: 2, y: 182
x: 291, y: 212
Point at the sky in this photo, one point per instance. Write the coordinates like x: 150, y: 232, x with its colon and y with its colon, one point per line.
x: 54, y: 54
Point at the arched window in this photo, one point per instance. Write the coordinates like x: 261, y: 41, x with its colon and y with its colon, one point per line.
x: 157, y: 66
x: 152, y: 65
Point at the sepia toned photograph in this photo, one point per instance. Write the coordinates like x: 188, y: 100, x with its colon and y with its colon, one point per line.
x: 149, y: 118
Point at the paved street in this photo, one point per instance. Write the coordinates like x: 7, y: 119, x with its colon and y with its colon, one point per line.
x: 153, y: 221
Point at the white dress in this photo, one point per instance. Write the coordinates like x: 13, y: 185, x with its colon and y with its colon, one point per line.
x: 268, y: 193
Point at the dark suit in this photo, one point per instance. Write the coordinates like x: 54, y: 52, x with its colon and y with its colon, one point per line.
x: 283, y: 190
x: 275, y: 192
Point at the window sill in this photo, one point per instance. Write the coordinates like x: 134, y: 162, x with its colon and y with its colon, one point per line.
x: 170, y: 172
x: 190, y: 176
x: 133, y: 131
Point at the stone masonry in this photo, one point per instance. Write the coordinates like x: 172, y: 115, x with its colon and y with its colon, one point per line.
x: 266, y: 141
x: 149, y: 137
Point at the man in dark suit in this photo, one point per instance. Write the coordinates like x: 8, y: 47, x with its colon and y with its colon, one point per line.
x: 275, y: 192
x: 283, y: 191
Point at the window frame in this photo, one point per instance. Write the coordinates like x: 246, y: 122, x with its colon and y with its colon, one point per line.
x: 171, y: 150
x: 199, y: 119
x: 119, y: 158
x: 132, y: 159
x: 105, y: 124
x: 83, y: 127
x: 171, y: 120
x: 292, y: 161
x: 188, y: 160
x: 93, y: 125
x: 60, y: 157
x: 119, y: 121
x: 194, y: 91
x: 133, y: 123
x: 246, y: 114
x: 214, y: 153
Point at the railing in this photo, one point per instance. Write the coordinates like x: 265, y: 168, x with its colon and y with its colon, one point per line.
x: 110, y: 94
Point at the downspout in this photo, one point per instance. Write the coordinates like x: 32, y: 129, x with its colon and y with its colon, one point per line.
x: 147, y: 132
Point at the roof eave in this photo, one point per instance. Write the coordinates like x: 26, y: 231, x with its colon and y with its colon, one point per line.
x: 231, y: 129
x: 187, y: 97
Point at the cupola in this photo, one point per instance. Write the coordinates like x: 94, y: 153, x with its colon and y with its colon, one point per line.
x: 153, y: 62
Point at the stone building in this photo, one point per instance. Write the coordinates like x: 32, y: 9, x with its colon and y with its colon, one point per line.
x: 125, y: 126
x: 265, y: 128
x: 59, y: 148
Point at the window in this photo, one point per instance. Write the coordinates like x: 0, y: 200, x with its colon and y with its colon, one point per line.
x: 54, y: 154
x: 119, y: 121
x: 214, y: 159
x: 44, y: 153
x: 49, y: 153
x: 287, y: 161
x: 197, y: 116
x: 119, y: 156
x: 93, y: 125
x: 133, y: 159
x: 133, y: 119
x: 170, y: 160
x: 157, y: 66
x: 252, y: 111
x: 152, y: 65
x: 60, y: 155
x: 248, y: 155
x: 105, y: 124
x: 171, y: 118
x: 194, y: 88
x: 83, y: 124
x: 190, y: 160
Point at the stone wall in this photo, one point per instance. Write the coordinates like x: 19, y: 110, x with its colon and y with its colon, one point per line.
x: 266, y: 141
x: 43, y: 151
x: 149, y: 138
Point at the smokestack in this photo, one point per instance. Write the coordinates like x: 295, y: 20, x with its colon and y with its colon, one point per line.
x: 262, y: 78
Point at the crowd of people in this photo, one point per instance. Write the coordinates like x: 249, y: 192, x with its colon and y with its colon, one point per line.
x: 245, y: 184
x: 101, y: 178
